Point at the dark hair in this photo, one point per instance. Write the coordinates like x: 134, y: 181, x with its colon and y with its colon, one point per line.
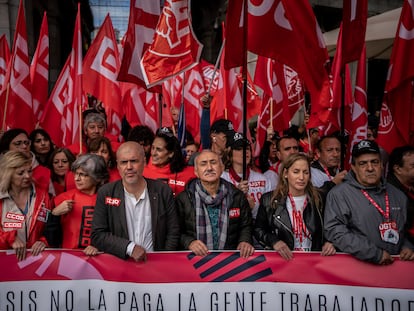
x: 319, y: 143
x: 141, y: 134
x: 397, y: 155
x: 95, y: 144
x: 177, y: 162
x: 8, y: 136
x: 69, y: 155
x: 228, y: 157
x: 282, y: 138
x: 44, y: 160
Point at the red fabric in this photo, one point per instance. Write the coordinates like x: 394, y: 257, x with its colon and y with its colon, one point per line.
x: 176, y: 181
x: 143, y: 19
x: 398, y: 97
x: 283, y: 96
x: 359, y: 124
x: 194, y: 88
x: 41, y: 206
x: 227, y: 102
x: 39, y: 71
x: 174, y: 48
x: 42, y: 177
x: 100, y: 69
x: 4, y: 59
x: 17, y: 104
x: 61, y: 116
x: 141, y: 107
x: 354, y: 21
x: 77, y: 224
x: 299, y: 41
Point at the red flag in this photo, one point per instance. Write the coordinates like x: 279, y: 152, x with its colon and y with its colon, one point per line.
x: 359, y: 122
x: 398, y: 97
x: 283, y: 96
x: 191, y: 85
x: 210, y: 77
x: 100, y: 70
x: 174, y: 48
x: 299, y: 41
x: 141, y: 107
x: 227, y: 102
x: 39, y: 71
x: 354, y: 21
x: 17, y: 109
x: 143, y: 18
x: 61, y: 116
x: 4, y: 59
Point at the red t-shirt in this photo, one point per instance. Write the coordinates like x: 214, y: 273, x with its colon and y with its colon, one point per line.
x: 77, y: 224
x: 176, y: 181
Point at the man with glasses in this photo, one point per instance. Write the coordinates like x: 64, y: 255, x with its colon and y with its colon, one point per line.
x: 364, y: 215
x: 326, y: 171
x: 134, y: 215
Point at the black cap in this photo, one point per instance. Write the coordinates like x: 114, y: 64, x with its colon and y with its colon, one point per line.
x: 223, y: 126
x: 363, y: 147
x: 239, y: 141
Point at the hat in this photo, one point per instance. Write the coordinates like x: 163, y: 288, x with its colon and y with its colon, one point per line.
x: 239, y: 141
x: 363, y: 147
x: 223, y: 126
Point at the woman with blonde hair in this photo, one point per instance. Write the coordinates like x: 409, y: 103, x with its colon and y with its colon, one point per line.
x: 24, y: 206
x: 290, y: 218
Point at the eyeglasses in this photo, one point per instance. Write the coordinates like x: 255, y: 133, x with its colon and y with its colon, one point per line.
x: 80, y: 175
x: 20, y: 142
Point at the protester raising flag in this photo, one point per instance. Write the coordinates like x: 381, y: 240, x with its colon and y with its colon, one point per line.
x: 100, y: 70
x: 16, y: 102
x: 354, y: 25
x: 398, y: 97
x: 61, y: 118
x: 143, y: 18
x: 39, y: 71
x: 174, y: 49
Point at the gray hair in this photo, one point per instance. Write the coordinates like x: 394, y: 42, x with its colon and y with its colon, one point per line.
x: 94, y: 166
x: 93, y: 118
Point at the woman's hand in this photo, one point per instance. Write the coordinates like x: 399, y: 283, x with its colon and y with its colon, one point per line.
x: 283, y: 250
x: 20, y: 248
x: 328, y: 249
x: 63, y: 208
x: 38, y: 247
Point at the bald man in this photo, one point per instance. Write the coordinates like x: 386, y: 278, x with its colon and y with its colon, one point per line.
x: 134, y: 215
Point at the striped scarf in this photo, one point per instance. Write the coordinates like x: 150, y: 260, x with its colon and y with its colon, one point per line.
x: 203, y: 224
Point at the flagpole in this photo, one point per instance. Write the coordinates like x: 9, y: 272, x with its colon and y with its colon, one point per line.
x: 244, y: 90
x: 215, y: 67
x: 159, y: 110
x: 80, y: 127
x: 3, y: 128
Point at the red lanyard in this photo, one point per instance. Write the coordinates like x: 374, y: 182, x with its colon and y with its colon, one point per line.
x: 235, y: 177
x: 299, y: 228
x: 386, y: 215
x: 327, y: 172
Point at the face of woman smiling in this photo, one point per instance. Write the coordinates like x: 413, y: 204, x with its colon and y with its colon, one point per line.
x: 298, y: 176
x: 159, y: 154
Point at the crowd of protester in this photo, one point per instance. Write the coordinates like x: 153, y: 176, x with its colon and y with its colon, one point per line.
x: 151, y: 194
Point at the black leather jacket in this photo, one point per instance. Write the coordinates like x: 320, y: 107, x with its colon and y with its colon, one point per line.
x: 273, y: 223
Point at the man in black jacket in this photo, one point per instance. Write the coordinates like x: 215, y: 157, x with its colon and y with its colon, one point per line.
x: 134, y: 215
x: 213, y: 214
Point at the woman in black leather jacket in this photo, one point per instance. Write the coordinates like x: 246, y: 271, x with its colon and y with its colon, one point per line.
x: 290, y: 217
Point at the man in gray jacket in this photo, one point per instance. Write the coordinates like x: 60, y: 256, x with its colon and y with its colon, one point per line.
x: 364, y: 215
